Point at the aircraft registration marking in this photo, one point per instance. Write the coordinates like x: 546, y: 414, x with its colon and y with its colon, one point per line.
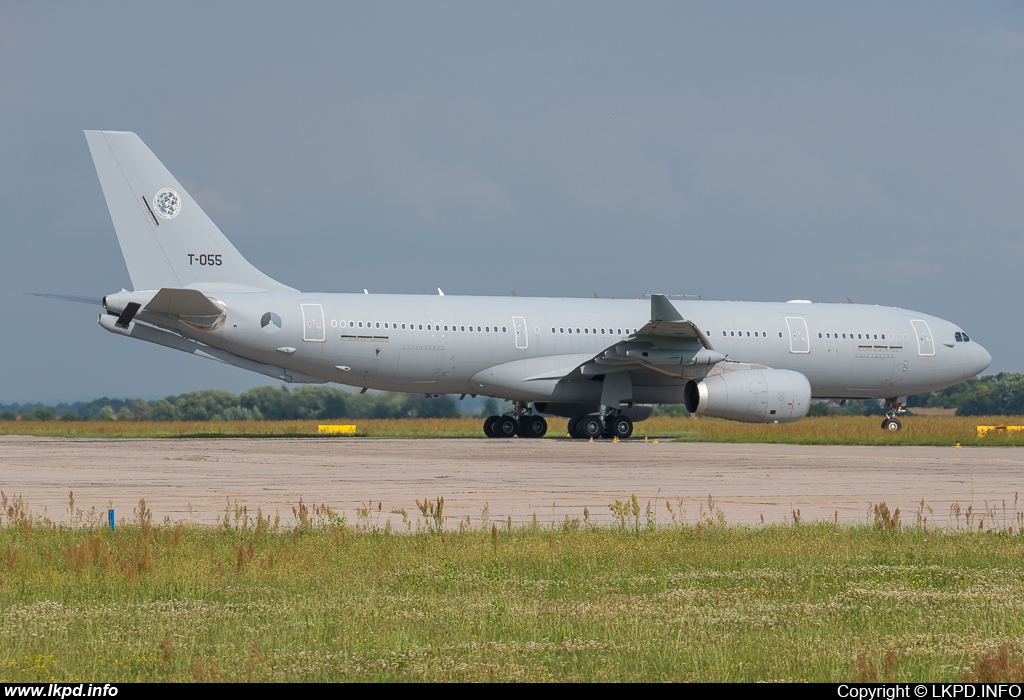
x: 204, y: 259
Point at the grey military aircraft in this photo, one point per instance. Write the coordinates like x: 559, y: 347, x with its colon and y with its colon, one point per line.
x: 602, y: 363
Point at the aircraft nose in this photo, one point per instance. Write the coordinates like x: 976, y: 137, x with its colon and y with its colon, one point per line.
x: 982, y: 357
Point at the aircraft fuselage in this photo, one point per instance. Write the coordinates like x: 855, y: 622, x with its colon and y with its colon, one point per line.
x: 516, y: 348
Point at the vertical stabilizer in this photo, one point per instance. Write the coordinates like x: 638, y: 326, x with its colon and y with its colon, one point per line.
x: 167, y: 240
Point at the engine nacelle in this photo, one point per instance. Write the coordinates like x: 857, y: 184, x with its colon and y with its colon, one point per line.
x: 751, y: 396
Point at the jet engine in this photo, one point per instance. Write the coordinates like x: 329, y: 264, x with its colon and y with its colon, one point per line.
x: 751, y: 396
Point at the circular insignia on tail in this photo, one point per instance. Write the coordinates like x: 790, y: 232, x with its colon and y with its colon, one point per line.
x: 167, y: 203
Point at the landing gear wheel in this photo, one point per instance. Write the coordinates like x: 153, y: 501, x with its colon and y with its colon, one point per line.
x: 622, y: 427
x: 505, y: 427
x: 589, y: 427
x: 489, y: 426
x: 891, y: 424
x: 573, y: 427
x: 532, y: 427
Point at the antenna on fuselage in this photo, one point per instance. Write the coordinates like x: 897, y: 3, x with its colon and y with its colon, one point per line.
x: 365, y: 291
x: 439, y: 292
x: 514, y: 293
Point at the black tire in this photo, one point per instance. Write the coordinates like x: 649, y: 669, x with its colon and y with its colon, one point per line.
x: 892, y: 425
x: 505, y: 427
x: 590, y: 427
x: 622, y: 427
x: 489, y: 426
x: 532, y: 427
x: 573, y: 427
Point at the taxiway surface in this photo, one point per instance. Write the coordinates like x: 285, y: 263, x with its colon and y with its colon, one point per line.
x: 194, y: 480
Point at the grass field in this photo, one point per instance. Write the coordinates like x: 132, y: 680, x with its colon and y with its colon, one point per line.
x: 841, y: 430
x: 323, y: 600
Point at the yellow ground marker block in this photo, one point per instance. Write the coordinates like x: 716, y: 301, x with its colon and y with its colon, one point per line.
x: 336, y: 429
x: 984, y: 430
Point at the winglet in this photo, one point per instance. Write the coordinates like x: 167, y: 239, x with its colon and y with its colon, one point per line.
x: 663, y: 310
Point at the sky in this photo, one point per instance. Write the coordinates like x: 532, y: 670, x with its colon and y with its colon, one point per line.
x: 736, y: 150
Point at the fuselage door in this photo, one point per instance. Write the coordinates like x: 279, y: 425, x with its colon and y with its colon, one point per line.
x: 519, y: 326
x: 799, y: 339
x: 925, y: 342
x: 313, y: 329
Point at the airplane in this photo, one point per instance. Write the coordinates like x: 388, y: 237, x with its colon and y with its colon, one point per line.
x: 602, y: 363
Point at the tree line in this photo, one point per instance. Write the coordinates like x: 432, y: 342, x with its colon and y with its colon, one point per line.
x: 260, y: 403
x: 998, y: 394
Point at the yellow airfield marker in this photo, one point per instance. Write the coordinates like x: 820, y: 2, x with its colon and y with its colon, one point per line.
x: 984, y: 430
x: 336, y: 429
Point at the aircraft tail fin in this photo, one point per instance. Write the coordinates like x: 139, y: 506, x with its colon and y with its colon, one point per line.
x: 166, y: 238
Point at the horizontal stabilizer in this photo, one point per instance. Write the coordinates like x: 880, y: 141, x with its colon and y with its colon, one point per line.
x: 183, y: 302
x: 78, y: 299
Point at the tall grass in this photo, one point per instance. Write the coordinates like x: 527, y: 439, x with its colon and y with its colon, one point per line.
x: 319, y: 598
x: 833, y: 430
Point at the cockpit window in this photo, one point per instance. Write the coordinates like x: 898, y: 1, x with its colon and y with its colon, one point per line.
x: 966, y: 339
x: 959, y: 337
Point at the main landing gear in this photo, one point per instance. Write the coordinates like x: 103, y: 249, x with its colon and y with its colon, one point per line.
x: 596, y: 426
x: 893, y: 408
x: 519, y: 422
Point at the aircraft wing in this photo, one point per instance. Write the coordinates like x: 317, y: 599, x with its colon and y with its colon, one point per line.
x: 668, y: 344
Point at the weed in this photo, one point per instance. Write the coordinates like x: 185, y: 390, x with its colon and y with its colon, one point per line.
x: 1003, y: 665
x: 433, y: 513
x: 884, y: 520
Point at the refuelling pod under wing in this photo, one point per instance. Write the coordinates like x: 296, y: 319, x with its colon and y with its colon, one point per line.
x: 751, y: 396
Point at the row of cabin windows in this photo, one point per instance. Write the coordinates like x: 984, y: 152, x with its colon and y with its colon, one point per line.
x: 850, y: 336
x: 591, y: 331
x: 864, y: 336
x: 419, y: 326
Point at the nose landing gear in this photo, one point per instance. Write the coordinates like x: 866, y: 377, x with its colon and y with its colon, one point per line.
x: 893, y: 408
x: 892, y: 424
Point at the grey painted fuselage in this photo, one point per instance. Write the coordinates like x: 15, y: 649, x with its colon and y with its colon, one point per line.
x: 517, y: 347
x: 195, y: 292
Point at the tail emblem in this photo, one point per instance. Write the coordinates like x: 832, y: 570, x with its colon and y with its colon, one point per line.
x: 167, y: 203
